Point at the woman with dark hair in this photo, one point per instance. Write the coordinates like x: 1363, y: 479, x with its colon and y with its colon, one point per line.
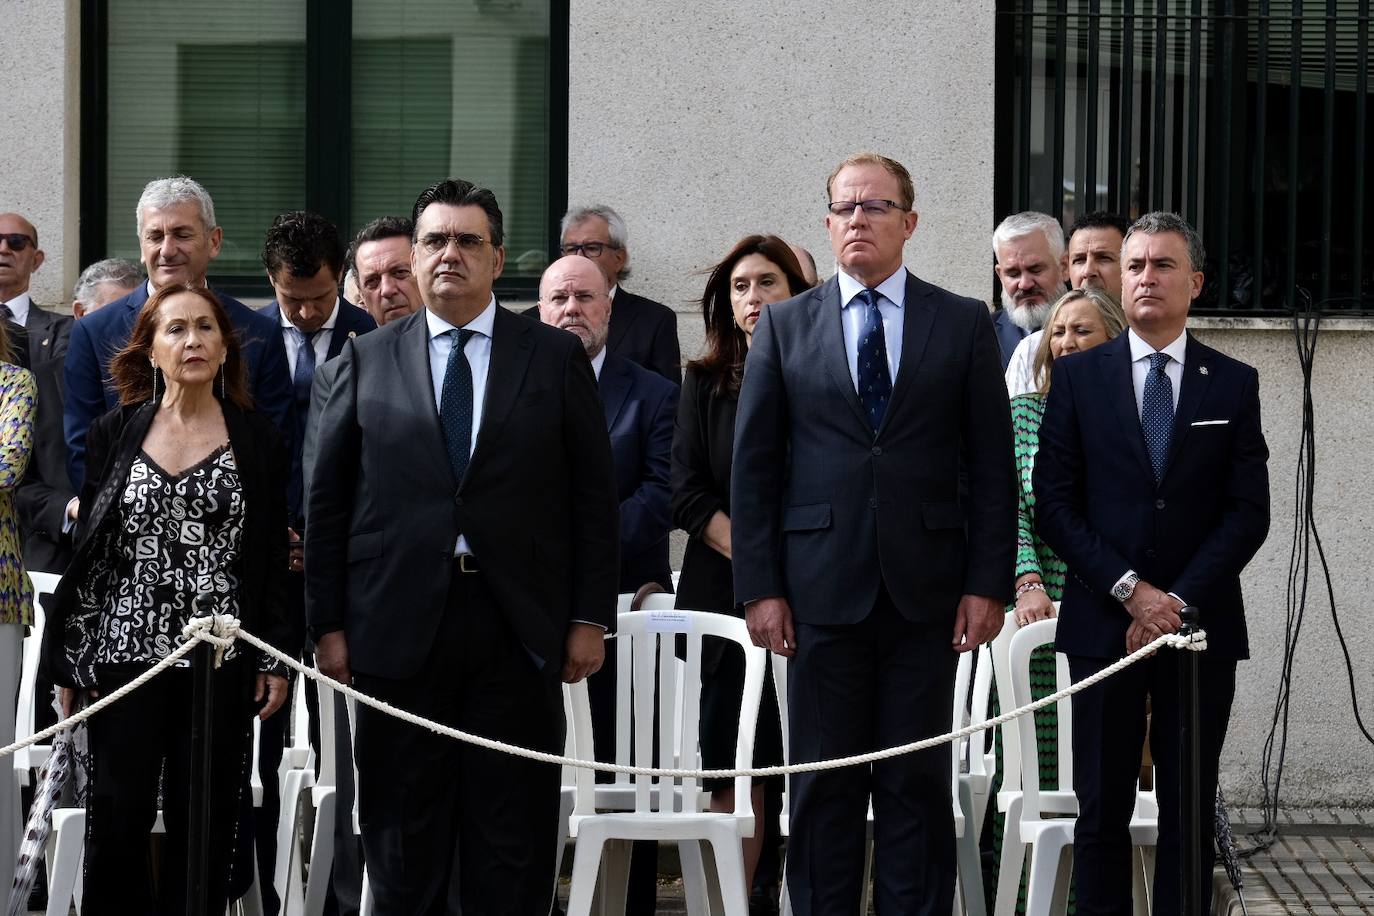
x: 184, y: 506
x: 759, y: 270
x: 18, y: 397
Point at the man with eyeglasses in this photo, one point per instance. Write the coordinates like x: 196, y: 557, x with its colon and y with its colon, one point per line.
x: 874, y: 537
x: 642, y: 330
x: 462, y: 562
x: 45, y: 333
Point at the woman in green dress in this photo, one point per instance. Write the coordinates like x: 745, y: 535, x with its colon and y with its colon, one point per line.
x: 1079, y: 320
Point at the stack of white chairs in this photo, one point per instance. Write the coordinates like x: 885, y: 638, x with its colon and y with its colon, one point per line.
x: 665, y: 809
x: 1041, y: 820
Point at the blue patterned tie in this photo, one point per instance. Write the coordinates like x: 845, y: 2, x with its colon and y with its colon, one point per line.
x: 1157, y: 412
x: 304, y: 376
x: 875, y: 381
x: 455, y: 404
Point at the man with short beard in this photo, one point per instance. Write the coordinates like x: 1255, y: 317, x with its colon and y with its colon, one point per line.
x: 1031, y: 266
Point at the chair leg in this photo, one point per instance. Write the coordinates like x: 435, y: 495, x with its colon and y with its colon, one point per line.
x: 1013, y: 862
x: 321, y: 854
x: 615, y: 876
x: 970, y: 863
x: 728, y: 853
x: 293, y: 784
x: 1044, y: 870
x: 566, y: 801
x: 367, y: 904
x: 866, y: 887
x: 250, y: 904
x: 695, y: 886
x: 64, y: 856
x: 586, y: 866
x: 785, y: 901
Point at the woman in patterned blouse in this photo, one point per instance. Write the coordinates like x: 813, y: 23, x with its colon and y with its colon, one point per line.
x: 185, y: 502
x: 17, y: 394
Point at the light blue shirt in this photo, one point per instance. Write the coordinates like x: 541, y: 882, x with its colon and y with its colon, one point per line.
x: 478, y: 352
x: 891, y: 305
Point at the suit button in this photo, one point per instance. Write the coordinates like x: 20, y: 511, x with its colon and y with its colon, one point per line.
x: 457, y: 500
x: 872, y: 502
x: 877, y: 449
x: 1159, y: 504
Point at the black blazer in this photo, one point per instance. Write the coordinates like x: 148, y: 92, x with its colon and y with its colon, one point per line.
x: 825, y: 510
x: 640, y: 407
x: 703, y: 445
x: 113, y: 442
x: 42, y: 496
x: 537, y: 502
x: 351, y: 322
x: 48, y: 334
x: 645, y: 332
x: 1098, y: 506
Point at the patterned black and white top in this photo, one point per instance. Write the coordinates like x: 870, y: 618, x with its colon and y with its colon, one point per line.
x: 179, y: 537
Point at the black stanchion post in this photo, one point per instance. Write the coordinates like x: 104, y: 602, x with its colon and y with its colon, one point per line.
x: 1190, y: 768
x: 198, y: 819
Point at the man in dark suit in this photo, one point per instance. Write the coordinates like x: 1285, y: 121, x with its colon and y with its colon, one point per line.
x: 45, y: 332
x: 867, y: 404
x: 461, y: 561
x: 642, y: 330
x: 304, y: 256
x: 45, y: 500
x: 1151, y: 484
x: 178, y: 238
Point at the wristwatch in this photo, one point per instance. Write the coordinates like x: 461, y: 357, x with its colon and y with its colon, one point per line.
x: 1123, y: 590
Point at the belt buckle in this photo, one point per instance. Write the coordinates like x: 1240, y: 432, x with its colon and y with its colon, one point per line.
x: 467, y: 563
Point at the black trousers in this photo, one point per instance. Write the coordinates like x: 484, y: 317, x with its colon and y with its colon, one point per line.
x: 1108, y: 733
x: 448, y: 827
x: 861, y: 687
x: 129, y: 742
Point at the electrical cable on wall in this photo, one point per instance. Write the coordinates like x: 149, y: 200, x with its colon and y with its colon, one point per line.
x: 1306, y: 325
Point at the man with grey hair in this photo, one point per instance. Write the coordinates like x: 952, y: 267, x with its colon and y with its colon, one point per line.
x: 1032, y: 268
x: 1151, y: 484
x: 102, y: 283
x: 642, y: 330
x: 178, y: 238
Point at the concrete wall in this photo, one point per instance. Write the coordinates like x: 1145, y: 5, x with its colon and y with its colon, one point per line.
x: 40, y: 44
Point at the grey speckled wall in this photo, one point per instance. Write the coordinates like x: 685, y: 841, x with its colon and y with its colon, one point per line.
x: 704, y: 122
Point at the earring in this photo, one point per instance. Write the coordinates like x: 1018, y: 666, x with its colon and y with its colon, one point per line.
x: 222, y: 384
x: 156, y: 373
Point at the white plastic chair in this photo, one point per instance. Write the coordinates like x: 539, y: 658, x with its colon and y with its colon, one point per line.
x: 1047, y: 817
x: 30, y: 759
x: 666, y: 809
x: 971, y: 899
x: 297, y: 777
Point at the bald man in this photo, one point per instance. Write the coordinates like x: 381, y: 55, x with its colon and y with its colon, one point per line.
x: 46, y: 332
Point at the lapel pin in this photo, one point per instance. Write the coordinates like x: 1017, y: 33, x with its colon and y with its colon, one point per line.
x: 1202, y: 369
x: 45, y: 342
x: 352, y: 333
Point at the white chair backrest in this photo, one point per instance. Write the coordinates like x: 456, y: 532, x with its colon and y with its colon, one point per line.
x: 328, y: 777
x: 623, y: 666
x: 43, y: 584
x: 1011, y: 738
x: 981, y: 761
x: 649, y: 637
x: 1026, y: 640
x: 963, y: 678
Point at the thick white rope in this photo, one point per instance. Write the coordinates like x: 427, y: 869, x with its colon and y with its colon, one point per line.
x: 221, y: 631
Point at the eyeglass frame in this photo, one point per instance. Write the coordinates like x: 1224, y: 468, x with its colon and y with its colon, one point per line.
x: 9, y: 239
x: 583, y: 249
x: 853, y: 205
x: 467, y: 242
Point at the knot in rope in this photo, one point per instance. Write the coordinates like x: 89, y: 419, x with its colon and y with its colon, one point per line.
x: 219, y: 630
x: 1193, y: 642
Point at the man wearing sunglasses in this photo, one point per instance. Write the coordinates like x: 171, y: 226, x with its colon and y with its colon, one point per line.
x: 46, y: 332
x: 642, y: 330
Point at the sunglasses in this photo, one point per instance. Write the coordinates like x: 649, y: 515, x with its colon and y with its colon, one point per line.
x: 17, y: 241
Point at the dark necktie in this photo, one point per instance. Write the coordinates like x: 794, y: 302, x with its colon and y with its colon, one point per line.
x: 5, y: 312
x: 304, y: 375
x: 455, y: 404
x: 1157, y: 412
x: 875, y: 381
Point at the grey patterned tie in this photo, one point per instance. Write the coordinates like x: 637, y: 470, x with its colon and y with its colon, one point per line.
x: 1157, y: 412
x: 455, y: 404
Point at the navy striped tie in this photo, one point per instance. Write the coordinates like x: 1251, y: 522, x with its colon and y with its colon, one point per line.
x: 455, y: 404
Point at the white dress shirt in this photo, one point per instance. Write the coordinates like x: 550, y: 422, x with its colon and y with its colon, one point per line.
x: 478, y: 352
x: 892, y: 307
x: 321, y: 341
x: 1140, y: 365
x: 1020, y: 374
x: 598, y: 361
x: 19, y: 308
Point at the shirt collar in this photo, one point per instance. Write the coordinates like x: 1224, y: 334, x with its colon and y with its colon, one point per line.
x: 328, y: 322
x: 19, y: 307
x: 893, y: 289
x: 598, y: 361
x: 611, y: 292
x: 483, y: 324
x: 1140, y: 349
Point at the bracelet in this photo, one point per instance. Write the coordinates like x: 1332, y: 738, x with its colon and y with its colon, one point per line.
x: 1029, y: 587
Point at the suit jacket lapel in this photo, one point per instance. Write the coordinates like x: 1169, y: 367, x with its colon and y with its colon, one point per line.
x: 615, y: 388
x: 917, y: 321
x: 1197, y: 376
x: 826, y: 318
x: 344, y: 328
x: 621, y: 319
x: 1115, y: 359
x: 411, y: 350
x: 511, y: 349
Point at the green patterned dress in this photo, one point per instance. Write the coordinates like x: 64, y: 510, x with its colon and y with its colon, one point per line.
x: 1032, y: 556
